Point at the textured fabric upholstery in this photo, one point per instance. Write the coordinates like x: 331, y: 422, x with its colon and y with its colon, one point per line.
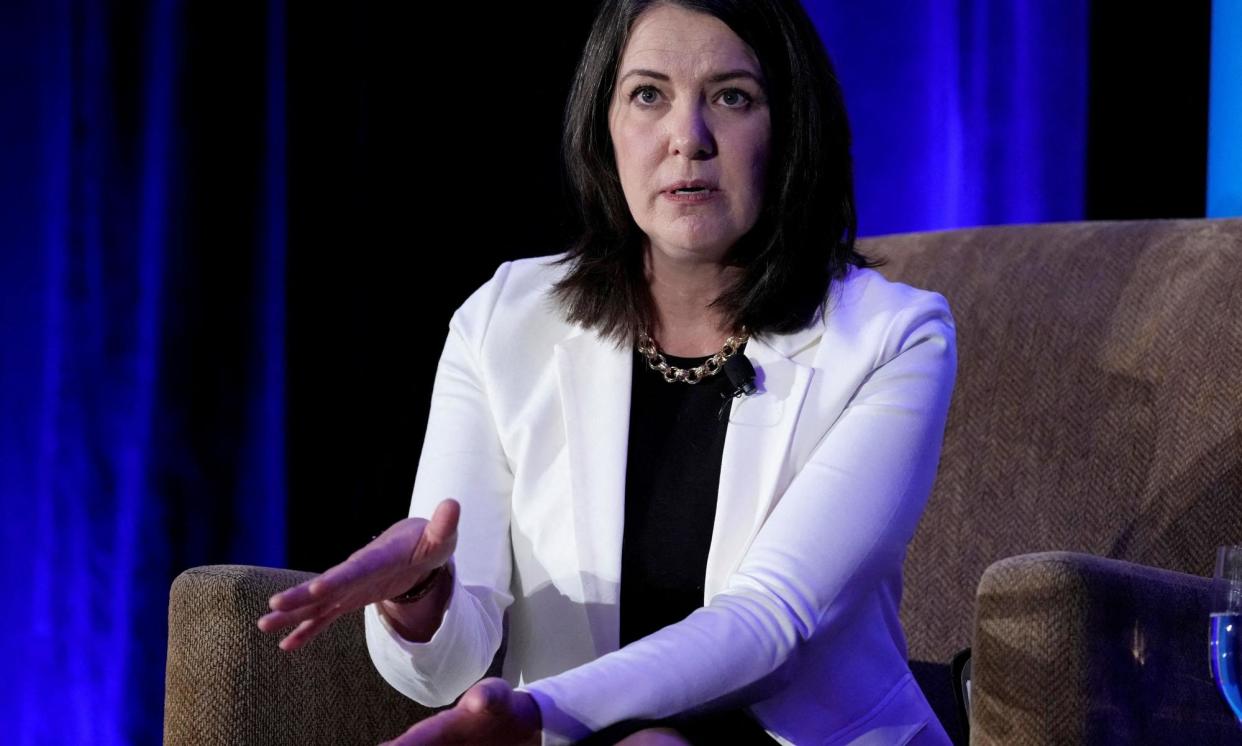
x: 1072, y: 648
x: 228, y: 683
x: 1098, y: 409
x: 1095, y: 435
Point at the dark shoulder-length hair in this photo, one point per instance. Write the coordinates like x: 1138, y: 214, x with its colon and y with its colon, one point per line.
x: 804, y: 236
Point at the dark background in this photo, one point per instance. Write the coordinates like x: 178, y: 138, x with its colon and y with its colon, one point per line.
x: 1147, y: 110
x: 416, y: 168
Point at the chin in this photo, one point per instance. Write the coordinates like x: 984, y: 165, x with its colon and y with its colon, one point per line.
x: 682, y: 252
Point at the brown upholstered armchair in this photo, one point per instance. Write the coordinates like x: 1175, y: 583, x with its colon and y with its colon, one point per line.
x: 1097, y: 414
x: 1092, y: 462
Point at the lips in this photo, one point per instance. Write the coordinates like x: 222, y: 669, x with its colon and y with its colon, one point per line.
x: 692, y: 184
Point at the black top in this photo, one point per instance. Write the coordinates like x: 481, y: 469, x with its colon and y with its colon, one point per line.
x: 672, y: 477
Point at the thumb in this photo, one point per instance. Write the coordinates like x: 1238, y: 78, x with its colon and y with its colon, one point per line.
x: 486, y: 696
x: 443, y: 523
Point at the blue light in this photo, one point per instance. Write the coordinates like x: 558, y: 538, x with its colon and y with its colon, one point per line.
x: 98, y: 472
x: 1224, y: 187
x: 963, y: 113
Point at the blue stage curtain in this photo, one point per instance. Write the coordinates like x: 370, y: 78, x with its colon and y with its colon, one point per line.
x: 971, y: 112
x: 1224, y: 187
x: 131, y: 446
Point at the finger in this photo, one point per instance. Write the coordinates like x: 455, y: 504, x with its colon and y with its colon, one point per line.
x: 307, y: 630
x: 292, y: 598
x: 338, y: 579
x: 277, y: 620
x: 318, y: 588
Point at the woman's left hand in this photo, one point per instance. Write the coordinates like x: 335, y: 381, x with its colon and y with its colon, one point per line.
x: 489, y: 713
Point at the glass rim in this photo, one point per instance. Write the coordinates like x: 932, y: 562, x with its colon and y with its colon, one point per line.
x: 1227, y: 580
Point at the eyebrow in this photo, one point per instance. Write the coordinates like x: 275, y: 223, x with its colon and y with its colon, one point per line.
x: 716, y: 78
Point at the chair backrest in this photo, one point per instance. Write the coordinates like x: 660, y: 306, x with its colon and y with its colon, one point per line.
x: 1098, y: 406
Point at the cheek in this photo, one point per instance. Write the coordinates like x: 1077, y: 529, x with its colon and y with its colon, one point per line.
x: 751, y: 164
x: 632, y: 157
x: 761, y: 147
x: 759, y: 158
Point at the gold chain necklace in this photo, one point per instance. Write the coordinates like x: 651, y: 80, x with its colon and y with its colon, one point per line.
x: 710, y: 367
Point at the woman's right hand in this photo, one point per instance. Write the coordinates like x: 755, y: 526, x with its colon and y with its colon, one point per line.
x: 390, y: 565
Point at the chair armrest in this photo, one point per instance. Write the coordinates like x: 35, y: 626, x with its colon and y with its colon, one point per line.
x: 228, y: 683
x: 1073, y: 648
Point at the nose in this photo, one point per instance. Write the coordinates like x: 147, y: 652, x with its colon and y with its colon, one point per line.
x: 690, y: 134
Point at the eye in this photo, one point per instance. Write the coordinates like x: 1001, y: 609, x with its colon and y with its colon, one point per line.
x: 640, y: 94
x: 735, y: 98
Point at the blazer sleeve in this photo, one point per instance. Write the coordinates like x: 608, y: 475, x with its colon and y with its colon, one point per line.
x: 861, y: 493
x: 462, y: 458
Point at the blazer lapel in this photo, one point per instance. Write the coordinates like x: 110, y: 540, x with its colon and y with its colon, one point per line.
x: 761, y: 428
x: 595, y: 380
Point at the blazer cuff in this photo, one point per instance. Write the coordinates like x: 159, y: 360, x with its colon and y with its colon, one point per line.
x: 559, y: 728
x: 438, y: 636
x: 422, y: 671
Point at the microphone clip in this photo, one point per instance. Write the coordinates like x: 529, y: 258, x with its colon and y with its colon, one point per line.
x: 741, y: 375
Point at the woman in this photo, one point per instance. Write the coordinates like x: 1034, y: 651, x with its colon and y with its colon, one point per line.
x: 672, y: 566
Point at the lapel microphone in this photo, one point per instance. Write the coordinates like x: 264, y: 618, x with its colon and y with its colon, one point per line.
x: 741, y: 375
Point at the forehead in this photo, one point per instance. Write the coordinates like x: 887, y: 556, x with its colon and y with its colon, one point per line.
x: 678, y: 41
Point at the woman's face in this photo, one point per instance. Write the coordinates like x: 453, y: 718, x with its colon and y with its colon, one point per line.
x: 689, y: 105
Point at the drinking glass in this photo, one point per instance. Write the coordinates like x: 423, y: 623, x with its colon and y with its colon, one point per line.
x: 1225, y: 638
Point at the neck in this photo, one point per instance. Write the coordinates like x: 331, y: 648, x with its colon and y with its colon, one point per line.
x: 681, y: 292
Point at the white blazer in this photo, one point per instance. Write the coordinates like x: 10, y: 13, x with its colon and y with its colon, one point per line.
x: 825, y: 473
